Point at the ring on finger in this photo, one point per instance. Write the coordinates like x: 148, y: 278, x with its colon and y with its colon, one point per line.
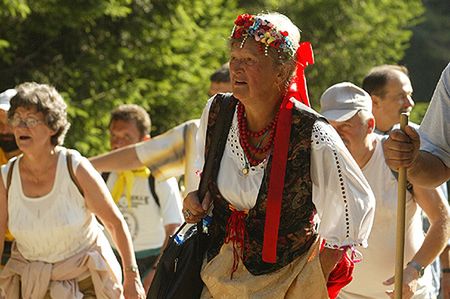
x: 187, y: 214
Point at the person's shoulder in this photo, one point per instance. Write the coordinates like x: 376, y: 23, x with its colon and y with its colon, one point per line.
x: 446, y: 73
x: 218, y: 99
x: 76, y: 158
x: 323, y: 135
x: 5, y: 167
x: 308, y: 111
x: 69, y: 151
x: 192, y: 123
x: 302, y: 107
x: 170, y: 183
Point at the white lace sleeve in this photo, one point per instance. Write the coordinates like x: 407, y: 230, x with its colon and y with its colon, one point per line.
x: 344, y: 201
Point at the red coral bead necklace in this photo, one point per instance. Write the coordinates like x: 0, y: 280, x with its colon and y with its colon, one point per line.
x: 252, y: 151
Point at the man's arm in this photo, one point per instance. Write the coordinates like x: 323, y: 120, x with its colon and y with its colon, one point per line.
x: 428, y: 171
x: 436, y: 208
x: 424, y: 169
x: 118, y: 160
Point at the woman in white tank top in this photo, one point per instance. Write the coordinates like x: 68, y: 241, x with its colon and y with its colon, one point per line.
x: 49, y: 197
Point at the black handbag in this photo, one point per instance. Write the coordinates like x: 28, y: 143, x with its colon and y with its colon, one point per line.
x: 178, y: 271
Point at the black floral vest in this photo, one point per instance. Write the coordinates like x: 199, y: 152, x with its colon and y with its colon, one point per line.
x: 297, y: 230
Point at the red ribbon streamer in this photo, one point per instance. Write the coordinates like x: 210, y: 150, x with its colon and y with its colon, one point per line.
x: 298, y: 91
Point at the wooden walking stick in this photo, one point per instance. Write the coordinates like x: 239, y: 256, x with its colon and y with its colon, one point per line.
x: 401, y: 204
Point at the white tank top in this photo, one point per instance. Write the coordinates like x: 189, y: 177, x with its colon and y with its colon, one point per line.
x: 55, y: 226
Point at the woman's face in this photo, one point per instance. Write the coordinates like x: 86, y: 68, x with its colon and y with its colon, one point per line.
x: 30, y: 130
x: 254, y: 76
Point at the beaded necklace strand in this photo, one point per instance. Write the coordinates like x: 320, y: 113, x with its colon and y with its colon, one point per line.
x: 251, y: 151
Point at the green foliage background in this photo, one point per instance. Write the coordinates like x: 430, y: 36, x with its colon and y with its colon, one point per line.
x: 100, y: 53
x: 348, y: 36
x: 430, y: 48
x: 160, y: 53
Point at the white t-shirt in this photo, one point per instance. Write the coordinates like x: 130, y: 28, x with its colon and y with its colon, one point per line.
x: 435, y: 127
x: 145, y: 219
x: 378, y: 262
x: 330, y: 162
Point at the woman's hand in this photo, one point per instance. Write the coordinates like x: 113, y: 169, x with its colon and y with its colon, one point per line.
x: 132, y: 287
x: 409, y: 286
x: 193, y: 211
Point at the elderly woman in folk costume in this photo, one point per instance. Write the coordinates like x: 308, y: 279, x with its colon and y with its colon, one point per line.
x: 49, y: 197
x: 286, y: 183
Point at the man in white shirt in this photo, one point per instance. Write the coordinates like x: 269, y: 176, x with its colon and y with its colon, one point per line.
x: 152, y: 209
x: 349, y: 110
x: 391, y: 91
x: 169, y: 154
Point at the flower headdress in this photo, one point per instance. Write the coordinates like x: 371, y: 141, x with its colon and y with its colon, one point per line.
x: 264, y: 32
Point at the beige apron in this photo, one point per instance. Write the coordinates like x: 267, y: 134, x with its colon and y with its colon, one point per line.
x: 302, y: 278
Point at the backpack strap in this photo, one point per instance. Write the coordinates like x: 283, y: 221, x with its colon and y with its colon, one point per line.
x: 71, y: 172
x: 151, y: 183
x: 9, y: 177
x: 105, y: 176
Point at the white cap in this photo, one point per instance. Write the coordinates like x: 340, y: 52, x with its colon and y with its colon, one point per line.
x: 5, y: 97
x: 342, y: 101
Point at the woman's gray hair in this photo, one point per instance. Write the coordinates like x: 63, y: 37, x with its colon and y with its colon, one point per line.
x: 46, y: 99
x: 283, y: 23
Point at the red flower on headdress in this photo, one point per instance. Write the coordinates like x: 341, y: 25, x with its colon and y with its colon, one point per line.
x: 244, y: 20
x: 284, y: 33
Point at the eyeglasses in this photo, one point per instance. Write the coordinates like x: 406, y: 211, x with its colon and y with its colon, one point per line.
x: 28, y: 122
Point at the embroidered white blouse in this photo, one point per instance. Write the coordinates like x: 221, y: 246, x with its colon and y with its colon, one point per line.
x: 344, y: 201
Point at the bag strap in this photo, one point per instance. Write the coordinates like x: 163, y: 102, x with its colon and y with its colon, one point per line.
x: 9, y: 177
x: 215, y: 153
x: 72, y: 173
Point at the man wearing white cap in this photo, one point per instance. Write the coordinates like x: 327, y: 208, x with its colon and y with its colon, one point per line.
x: 8, y: 146
x: 349, y: 110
